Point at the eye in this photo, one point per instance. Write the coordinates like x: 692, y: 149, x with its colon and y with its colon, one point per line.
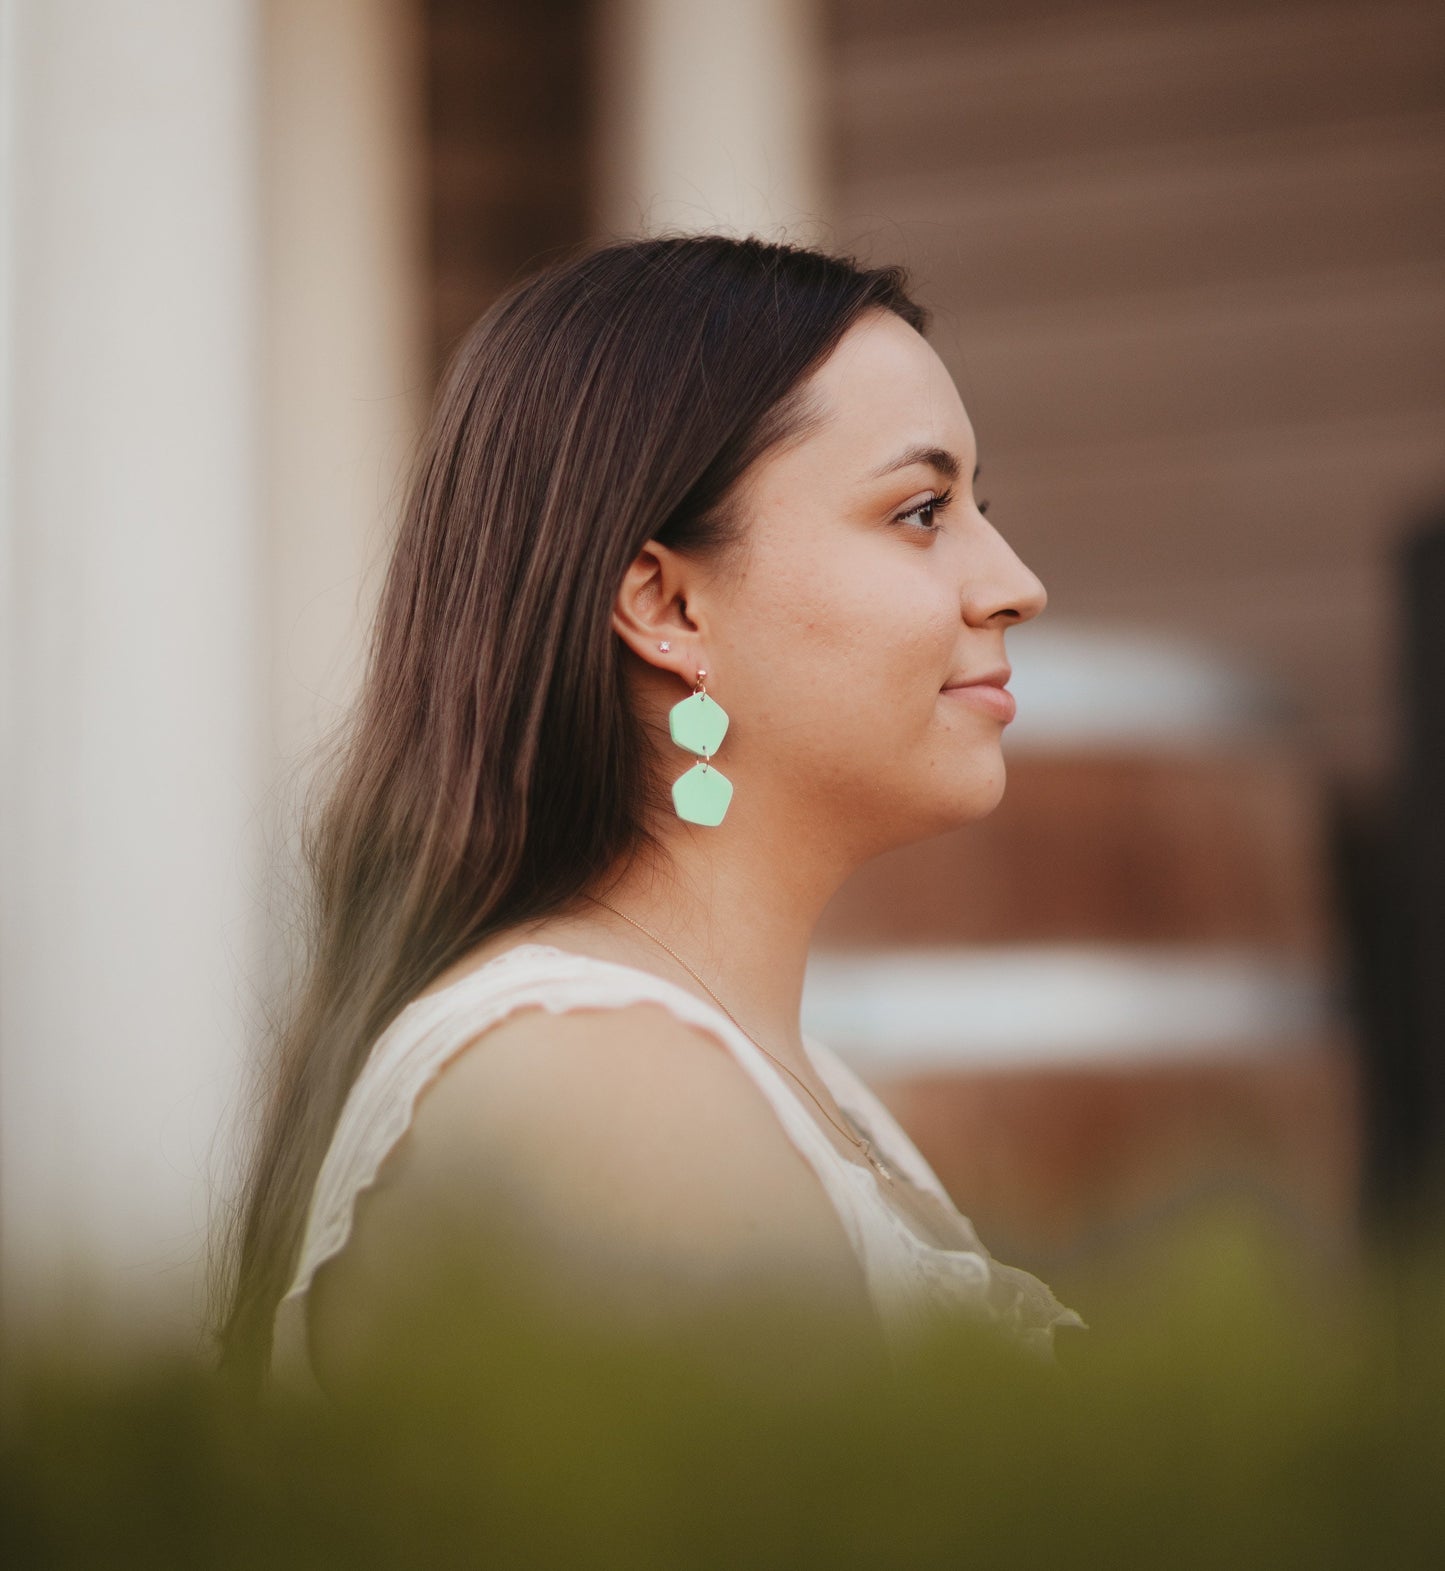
x: 934, y: 504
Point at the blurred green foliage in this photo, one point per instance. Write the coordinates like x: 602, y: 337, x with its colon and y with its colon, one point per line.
x: 1231, y: 1405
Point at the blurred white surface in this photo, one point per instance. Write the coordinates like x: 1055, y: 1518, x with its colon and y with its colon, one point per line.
x: 1089, y: 687
x: 920, y: 1010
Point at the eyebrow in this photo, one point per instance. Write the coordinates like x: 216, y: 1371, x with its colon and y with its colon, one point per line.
x: 939, y: 458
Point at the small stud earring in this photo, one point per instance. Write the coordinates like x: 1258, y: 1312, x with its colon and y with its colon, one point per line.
x: 664, y: 646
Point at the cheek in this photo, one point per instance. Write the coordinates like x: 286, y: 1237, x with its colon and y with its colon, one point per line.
x: 840, y: 651
x: 899, y: 643
x: 856, y: 678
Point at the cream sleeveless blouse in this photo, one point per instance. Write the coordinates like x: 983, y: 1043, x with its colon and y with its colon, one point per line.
x: 908, y: 1278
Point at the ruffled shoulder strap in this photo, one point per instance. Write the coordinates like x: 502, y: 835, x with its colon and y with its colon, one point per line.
x: 432, y: 1030
x: 1017, y: 1297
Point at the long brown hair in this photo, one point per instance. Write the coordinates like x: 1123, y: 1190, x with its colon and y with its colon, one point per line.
x: 492, y: 767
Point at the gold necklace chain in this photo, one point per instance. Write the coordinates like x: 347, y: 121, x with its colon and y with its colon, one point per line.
x: 864, y: 1145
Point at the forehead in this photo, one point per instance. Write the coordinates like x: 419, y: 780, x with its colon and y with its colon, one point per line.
x: 883, y: 389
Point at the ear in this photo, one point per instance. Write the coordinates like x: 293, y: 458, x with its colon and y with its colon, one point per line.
x: 652, y: 608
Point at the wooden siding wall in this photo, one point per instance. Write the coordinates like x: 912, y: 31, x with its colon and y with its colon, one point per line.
x: 510, y: 115
x: 1187, y: 265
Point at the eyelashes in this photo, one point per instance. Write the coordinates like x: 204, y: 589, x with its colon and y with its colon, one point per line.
x: 934, y: 504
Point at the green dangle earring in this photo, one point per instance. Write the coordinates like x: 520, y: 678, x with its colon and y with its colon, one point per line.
x: 699, y: 723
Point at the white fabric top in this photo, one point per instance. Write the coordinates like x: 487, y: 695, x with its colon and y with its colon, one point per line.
x: 907, y: 1277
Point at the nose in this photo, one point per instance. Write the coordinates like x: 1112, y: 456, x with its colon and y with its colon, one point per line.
x: 1001, y: 587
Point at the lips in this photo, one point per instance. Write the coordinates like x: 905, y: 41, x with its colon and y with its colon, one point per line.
x: 998, y: 677
x: 990, y: 696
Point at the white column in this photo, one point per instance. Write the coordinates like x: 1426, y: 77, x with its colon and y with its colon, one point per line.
x: 346, y: 374
x: 212, y: 365
x: 710, y: 117
x: 133, y: 631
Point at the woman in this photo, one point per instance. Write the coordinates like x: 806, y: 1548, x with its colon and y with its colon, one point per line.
x: 679, y: 497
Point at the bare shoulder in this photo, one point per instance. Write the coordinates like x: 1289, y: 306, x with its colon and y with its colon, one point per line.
x: 628, y: 1147
x: 631, y: 1122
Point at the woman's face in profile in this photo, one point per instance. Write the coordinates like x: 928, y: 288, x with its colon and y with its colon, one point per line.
x: 862, y: 594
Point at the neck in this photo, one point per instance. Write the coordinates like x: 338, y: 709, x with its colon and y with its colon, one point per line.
x: 739, y: 914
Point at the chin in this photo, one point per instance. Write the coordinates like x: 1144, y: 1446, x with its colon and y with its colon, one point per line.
x: 963, y: 807
x: 985, y: 789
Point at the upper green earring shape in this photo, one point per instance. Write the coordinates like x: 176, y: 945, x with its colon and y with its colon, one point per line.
x: 699, y: 723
